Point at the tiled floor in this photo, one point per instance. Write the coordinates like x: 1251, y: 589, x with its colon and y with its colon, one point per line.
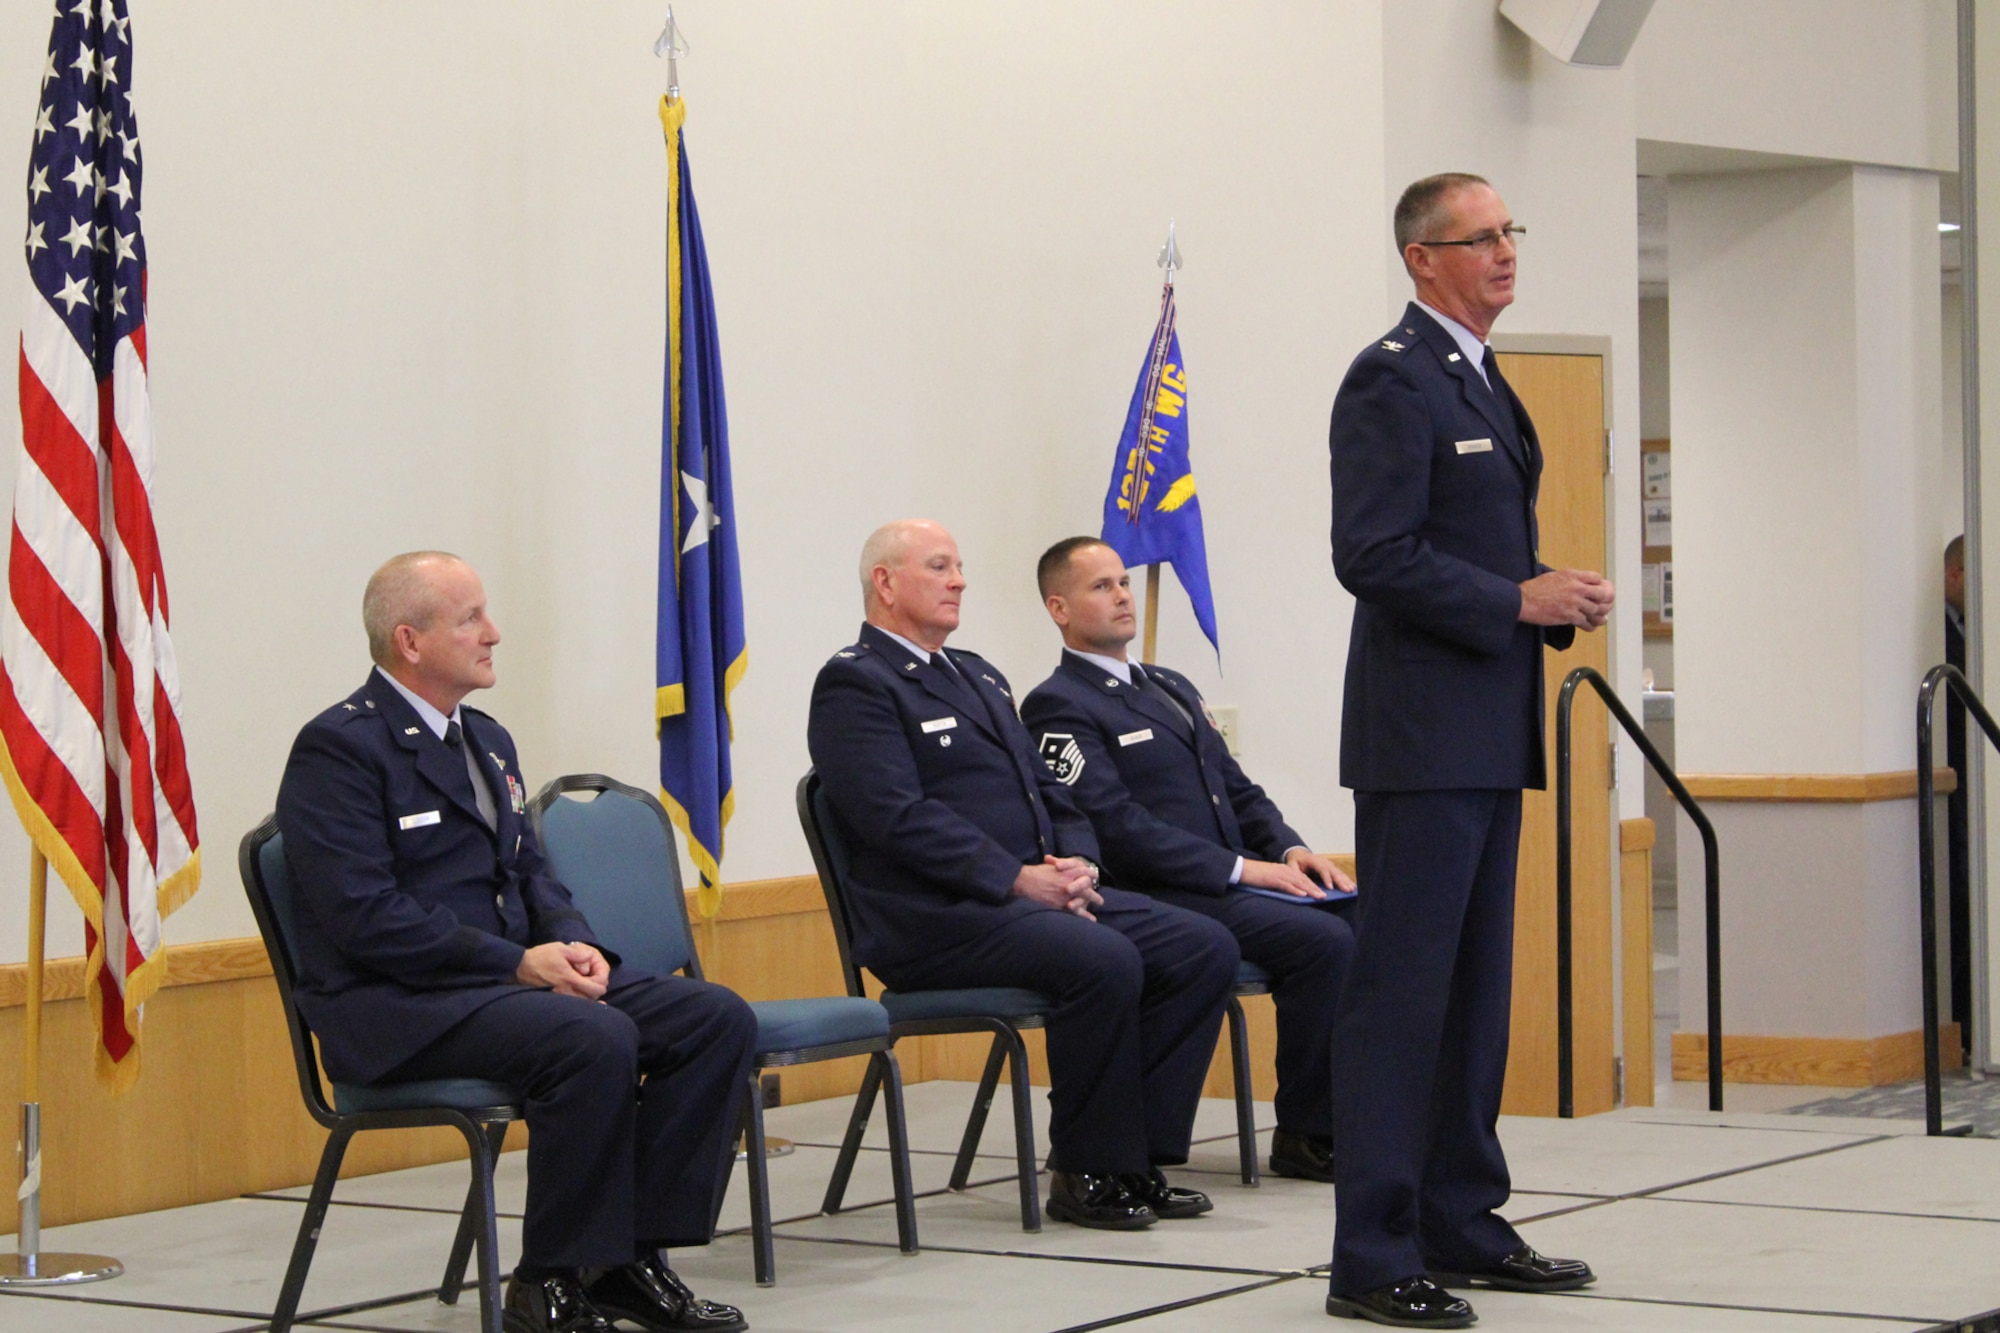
x: 1739, y: 1223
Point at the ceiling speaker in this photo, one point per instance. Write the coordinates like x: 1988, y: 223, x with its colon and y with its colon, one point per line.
x: 1595, y: 34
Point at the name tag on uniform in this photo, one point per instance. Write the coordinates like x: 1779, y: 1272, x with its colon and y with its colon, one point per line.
x: 418, y: 821
x: 1134, y: 737
x: 1475, y: 446
x: 940, y: 724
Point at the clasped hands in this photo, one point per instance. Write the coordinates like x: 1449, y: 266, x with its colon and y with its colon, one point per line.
x: 1066, y: 883
x: 1567, y: 597
x: 567, y: 969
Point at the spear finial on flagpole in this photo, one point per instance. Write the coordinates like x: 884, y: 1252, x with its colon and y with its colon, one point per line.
x: 1170, y: 254
x: 673, y: 46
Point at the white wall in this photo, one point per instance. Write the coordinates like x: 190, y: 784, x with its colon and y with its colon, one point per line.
x: 1805, y: 488
x: 406, y: 272
x: 1846, y: 80
x: 1951, y: 425
x: 1656, y: 378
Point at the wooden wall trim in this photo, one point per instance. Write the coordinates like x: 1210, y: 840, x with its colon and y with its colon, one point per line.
x: 1849, y: 788
x: 753, y: 898
x: 203, y: 961
x: 187, y: 965
x: 1635, y: 885
x: 1834, y: 1062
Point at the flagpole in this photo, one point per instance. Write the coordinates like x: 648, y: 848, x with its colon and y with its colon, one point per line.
x: 1152, y: 640
x: 28, y: 1266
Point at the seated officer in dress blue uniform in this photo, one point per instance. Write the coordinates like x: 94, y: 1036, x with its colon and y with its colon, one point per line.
x: 433, y: 942
x: 1175, y: 814
x: 971, y: 867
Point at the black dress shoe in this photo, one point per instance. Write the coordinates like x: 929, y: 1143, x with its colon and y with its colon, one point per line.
x: 649, y: 1294
x: 1166, y: 1201
x: 1097, y: 1201
x: 1415, y: 1302
x: 553, y: 1304
x: 1302, y: 1156
x: 1524, y: 1270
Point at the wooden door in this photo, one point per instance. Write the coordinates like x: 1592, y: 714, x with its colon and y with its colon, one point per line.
x: 1565, y: 396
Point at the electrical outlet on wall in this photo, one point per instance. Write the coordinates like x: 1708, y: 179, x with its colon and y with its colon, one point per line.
x: 1228, y: 723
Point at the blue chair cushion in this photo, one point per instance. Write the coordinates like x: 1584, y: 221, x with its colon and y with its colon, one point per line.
x: 978, y: 1002
x: 1249, y: 974
x: 800, y: 1025
x: 460, y: 1094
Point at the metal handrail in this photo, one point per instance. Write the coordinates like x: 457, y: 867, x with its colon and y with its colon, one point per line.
x: 1565, y: 1019
x: 1927, y: 866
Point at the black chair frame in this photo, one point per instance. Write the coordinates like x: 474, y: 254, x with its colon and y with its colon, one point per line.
x: 484, y: 1129
x: 1007, y: 1049
x: 882, y: 1065
x: 1239, y: 1065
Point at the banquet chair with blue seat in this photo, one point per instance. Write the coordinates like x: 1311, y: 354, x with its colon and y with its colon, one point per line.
x: 1002, y: 1011
x: 612, y: 847
x: 479, y: 1110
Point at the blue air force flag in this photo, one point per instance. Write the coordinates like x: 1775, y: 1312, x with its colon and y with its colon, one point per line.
x: 1151, y: 512
x: 701, y: 652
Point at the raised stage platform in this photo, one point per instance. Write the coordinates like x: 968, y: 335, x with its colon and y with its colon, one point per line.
x: 1740, y: 1223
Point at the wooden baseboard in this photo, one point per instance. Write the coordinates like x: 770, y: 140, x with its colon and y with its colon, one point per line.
x: 1834, y: 1062
x: 1837, y: 788
x: 1635, y: 888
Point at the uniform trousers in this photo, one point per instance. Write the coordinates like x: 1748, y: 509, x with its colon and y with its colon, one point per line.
x: 615, y: 1165
x: 1420, y: 1041
x: 1138, y: 1000
x: 1306, y: 949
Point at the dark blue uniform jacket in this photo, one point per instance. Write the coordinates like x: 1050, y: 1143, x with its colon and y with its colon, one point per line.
x: 1434, y: 480
x: 1171, y: 808
x: 419, y: 912
x: 941, y: 798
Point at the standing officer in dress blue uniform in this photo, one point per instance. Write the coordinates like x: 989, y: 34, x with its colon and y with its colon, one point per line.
x: 971, y: 867
x: 1175, y: 814
x: 1435, y: 466
x: 434, y: 943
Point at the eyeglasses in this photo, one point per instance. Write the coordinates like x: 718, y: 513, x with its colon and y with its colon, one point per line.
x: 1485, y: 241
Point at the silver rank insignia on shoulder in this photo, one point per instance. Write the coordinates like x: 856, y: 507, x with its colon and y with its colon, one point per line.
x: 843, y: 653
x: 1391, y: 345
x: 988, y: 679
x: 1063, y: 755
x: 409, y: 731
x: 350, y: 708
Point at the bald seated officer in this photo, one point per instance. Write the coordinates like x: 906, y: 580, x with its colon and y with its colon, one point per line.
x: 1175, y: 814
x: 433, y: 942
x: 972, y: 867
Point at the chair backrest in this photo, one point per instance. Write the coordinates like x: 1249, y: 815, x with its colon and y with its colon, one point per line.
x: 615, y: 854
x: 267, y: 881
x: 830, y: 859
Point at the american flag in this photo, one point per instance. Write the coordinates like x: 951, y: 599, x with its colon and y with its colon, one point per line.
x: 90, y: 733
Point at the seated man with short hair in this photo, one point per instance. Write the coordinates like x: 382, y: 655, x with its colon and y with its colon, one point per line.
x: 972, y: 868
x: 434, y: 943
x: 1175, y: 814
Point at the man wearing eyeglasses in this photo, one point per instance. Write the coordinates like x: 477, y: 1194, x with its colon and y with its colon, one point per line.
x: 1434, y: 467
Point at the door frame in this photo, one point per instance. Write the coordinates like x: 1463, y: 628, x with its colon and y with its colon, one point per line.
x: 1601, y: 346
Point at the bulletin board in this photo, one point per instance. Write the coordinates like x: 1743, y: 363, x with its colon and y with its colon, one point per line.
x: 1656, y: 556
